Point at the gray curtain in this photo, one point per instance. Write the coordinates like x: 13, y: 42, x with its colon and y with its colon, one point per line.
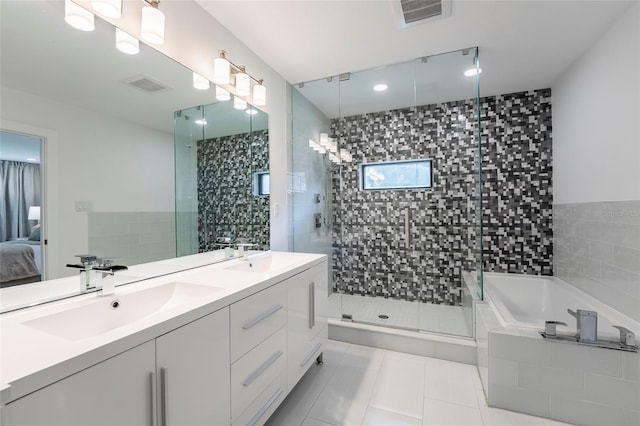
x: 20, y: 188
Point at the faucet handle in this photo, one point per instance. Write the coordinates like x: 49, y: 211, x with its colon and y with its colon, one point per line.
x: 627, y: 337
x: 550, y: 327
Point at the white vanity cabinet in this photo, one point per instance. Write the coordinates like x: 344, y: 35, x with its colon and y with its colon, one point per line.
x: 117, y: 391
x: 307, y: 321
x: 179, y: 378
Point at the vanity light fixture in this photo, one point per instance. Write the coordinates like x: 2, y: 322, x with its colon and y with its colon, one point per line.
x: 226, y: 72
x: 239, y: 103
x: 380, y: 87
x: 222, y: 94
x: 199, y: 82
x: 78, y: 17
x: 472, y: 71
x: 221, y: 69
x: 126, y: 43
x: 243, y: 83
x: 152, y: 24
x: 108, y: 8
x: 259, y: 94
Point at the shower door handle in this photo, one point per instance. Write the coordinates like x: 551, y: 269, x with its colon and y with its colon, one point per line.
x: 407, y: 227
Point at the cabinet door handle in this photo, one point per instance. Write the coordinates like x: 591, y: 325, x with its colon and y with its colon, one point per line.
x: 310, y: 356
x: 164, y: 379
x: 261, y: 317
x: 154, y: 397
x: 253, y: 376
x: 312, y: 304
x: 265, y: 407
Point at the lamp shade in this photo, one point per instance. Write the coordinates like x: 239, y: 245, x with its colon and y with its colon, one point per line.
x: 221, y: 71
x: 34, y: 213
x: 152, y: 25
x: 78, y: 17
x: 126, y: 43
x: 259, y: 95
x: 239, y: 103
x: 108, y: 8
x: 222, y: 94
x: 243, y: 84
x: 199, y: 82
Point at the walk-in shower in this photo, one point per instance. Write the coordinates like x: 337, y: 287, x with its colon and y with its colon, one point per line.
x: 386, y: 181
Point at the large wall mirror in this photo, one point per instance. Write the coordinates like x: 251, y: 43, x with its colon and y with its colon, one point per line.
x: 111, y: 130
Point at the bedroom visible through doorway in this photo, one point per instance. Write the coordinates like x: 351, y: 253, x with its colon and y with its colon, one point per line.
x: 21, y: 209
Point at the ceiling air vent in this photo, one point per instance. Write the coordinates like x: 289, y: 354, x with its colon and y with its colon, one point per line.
x: 414, y: 12
x: 146, y: 83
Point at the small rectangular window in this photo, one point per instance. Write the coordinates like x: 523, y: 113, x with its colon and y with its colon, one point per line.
x: 261, y: 184
x: 404, y: 174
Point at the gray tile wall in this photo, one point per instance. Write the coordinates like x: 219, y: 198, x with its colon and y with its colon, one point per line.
x: 371, y: 255
x: 226, y: 204
x: 597, y: 249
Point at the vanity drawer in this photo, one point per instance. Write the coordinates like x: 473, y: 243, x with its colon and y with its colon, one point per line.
x: 257, y: 317
x: 302, y: 355
x: 256, y: 370
x: 265, y: 404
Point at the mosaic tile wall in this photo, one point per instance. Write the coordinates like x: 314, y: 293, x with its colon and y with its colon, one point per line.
x: 371, y: 255
x: 226, y: 203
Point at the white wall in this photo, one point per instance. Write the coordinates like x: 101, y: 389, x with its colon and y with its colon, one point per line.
x: 116, y: 165
x: 596, y: 119
x: 193, y: 38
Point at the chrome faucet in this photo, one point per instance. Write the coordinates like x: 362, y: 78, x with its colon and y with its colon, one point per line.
x: 97, y: 273
x: 587, y: 324
x: 243, y: 248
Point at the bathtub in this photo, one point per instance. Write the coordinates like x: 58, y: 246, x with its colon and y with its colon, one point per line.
x: 522, y: 371
x: 525, y: 302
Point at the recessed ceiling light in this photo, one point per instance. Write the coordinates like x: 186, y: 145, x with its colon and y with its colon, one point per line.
x: 472, y: 71
x: 251, y: 111
x: 201, y: 122
x: 380, y: 87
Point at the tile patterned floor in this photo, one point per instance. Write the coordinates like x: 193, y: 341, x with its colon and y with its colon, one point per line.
x: 364, y: 386
x: 446, y: 319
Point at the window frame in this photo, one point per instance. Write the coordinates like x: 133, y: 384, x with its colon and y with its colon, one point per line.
x: 363, y: 166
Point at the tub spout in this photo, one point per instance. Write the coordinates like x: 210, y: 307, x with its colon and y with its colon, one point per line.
x: 627, y: 337
x: 550, y: 327
x: 587, y: 325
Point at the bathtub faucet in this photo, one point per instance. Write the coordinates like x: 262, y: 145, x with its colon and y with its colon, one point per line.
x: 587, y: 325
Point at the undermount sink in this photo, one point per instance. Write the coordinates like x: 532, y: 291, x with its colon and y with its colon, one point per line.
x: 261, y: 264
x: 108, y: 313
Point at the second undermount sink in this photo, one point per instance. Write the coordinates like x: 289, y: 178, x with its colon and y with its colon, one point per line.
x: 261, y: 263
x: 108, y: 313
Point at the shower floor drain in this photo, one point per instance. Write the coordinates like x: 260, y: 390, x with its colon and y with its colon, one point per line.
x: 382, y: 316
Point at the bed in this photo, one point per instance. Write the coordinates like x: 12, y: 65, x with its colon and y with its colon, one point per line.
x: 20, y: 262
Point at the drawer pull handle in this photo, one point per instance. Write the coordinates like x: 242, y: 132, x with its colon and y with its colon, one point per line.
x: 312, y: 304
x: 253, y: 376
x: 310, y: 356
x: 154, y: 397
x: 265, y: 407
x: 262, y: 317
x: 164, y: 396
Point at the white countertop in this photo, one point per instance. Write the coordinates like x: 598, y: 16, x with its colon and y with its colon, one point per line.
x: 31, y: 358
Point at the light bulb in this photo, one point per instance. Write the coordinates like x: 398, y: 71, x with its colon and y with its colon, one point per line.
x: 108, y: 8
x: 126, y: 43
x: 152, y: 25
x: 78, y: 17
x: 259, y: 95
x: 199, y: 82
x: 221, y: 71
x: 222, y: 94
x: 239, y: 103
x: 243, y: 84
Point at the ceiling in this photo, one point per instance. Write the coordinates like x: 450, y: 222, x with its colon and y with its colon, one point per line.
x: 523, y: 44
